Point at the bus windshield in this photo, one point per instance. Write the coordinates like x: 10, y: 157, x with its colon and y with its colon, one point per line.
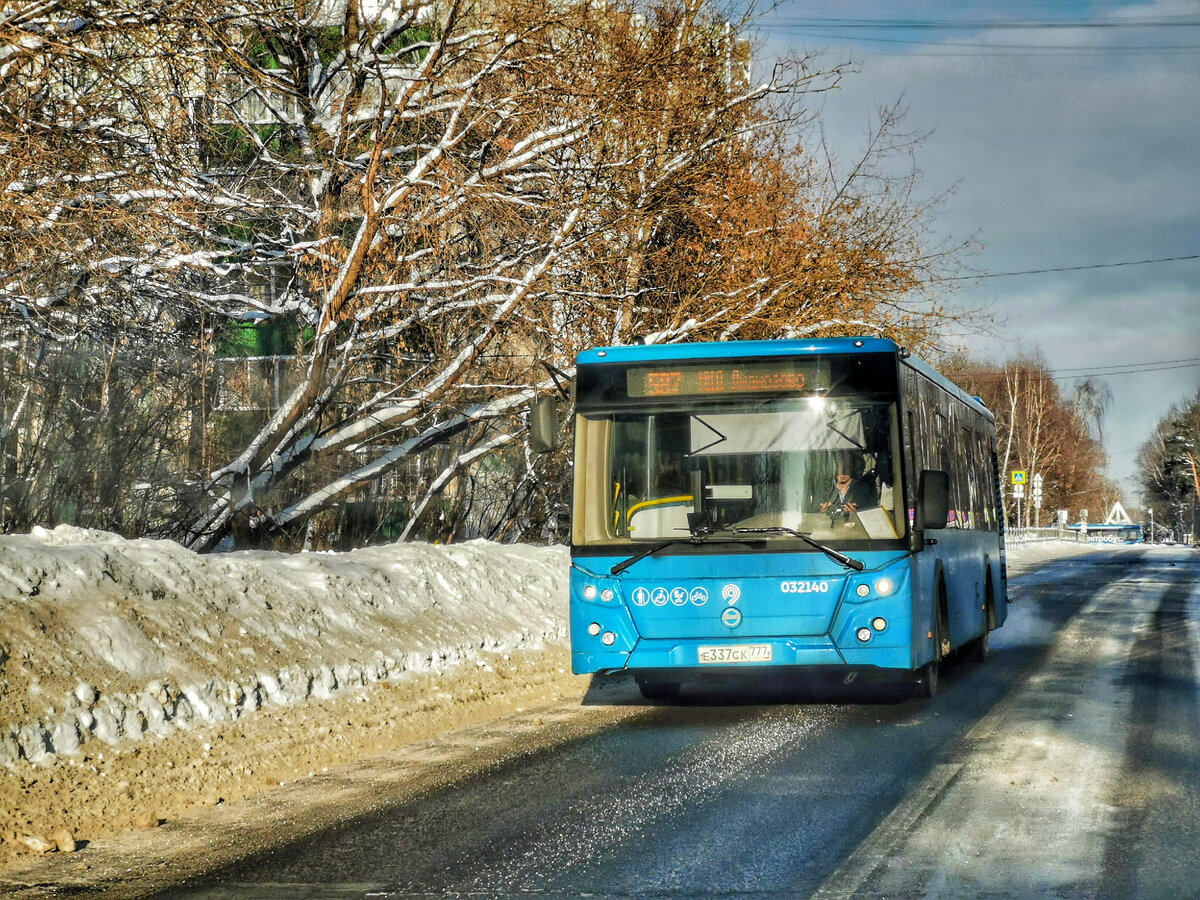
x: 823, y: 466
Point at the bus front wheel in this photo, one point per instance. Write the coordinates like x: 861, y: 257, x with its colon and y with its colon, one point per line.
x: 653, y: 689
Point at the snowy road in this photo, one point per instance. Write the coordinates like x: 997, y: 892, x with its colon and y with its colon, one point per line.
x: 1067, y: 765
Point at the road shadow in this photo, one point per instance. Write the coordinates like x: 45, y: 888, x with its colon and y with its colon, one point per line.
x: 760, y: 688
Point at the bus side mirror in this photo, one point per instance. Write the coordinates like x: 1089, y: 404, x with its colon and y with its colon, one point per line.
x: 543, y: 425
x: 933, y: 499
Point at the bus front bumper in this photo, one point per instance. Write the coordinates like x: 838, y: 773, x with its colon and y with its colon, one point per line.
x: 698, y: 657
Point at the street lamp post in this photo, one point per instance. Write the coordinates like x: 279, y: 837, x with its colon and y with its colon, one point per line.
x: 1037, y: 500
x: 1196, y: 484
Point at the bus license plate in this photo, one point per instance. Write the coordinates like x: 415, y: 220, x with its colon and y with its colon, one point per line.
x: 744, y: 653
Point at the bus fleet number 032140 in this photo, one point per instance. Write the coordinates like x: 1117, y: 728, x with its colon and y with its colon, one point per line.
x: 805, y: 587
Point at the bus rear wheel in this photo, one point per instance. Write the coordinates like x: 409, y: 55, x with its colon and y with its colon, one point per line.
x: 980, y: 647
x: 925, y: 682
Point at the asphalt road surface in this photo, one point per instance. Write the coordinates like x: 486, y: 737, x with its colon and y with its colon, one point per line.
x: 1067, y: 764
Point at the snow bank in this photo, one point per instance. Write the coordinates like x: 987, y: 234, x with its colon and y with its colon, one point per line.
x: 1031, y: 554
x: 106, y: 639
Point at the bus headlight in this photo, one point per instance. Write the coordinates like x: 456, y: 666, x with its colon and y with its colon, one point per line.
x: 608, y: 639
x: 590, y: 592
x: 884, y: 586
x: 607, y: 595
x: 594, y: 629
x: 864, y: 634
x: 862, y: 590
x: 879, y: 623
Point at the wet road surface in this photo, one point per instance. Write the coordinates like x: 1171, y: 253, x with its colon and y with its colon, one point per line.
x: 1065, y: 765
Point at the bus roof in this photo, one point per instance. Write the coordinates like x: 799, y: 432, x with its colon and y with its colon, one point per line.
x: 734, y: 349
x: 728, y: 349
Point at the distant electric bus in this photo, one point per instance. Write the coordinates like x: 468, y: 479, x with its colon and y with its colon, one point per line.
x: 831, y: 506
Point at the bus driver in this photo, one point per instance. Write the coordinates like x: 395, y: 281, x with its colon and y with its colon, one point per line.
x: 850, y: 489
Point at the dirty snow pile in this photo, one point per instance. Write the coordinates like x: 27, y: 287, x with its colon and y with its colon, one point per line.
x: 103, y: 638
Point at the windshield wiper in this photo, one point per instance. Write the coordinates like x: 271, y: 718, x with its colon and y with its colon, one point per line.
x: 699, y: 536
x: 841, y: 433
x: 848, y: 562
x: 720, y: 439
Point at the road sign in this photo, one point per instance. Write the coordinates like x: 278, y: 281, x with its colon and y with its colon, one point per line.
x: 1018, y: 476
x: 1019, y: 489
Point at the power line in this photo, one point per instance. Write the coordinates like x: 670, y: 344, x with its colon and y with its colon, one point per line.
x: 1106, y: 373
x: 1103, y: 371
x: 1132, y: 262
x: 987, y: 25
x: 849, y: 29
x: 1157, y: 362
x: 978, y: 49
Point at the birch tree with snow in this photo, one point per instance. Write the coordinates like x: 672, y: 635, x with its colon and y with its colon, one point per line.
x: 450, y: 200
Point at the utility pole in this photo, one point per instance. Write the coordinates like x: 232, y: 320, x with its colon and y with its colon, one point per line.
x: 1037, y: 499
x: 1018, y: 491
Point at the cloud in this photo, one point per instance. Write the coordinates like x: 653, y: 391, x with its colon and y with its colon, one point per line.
x: 1081, y: 154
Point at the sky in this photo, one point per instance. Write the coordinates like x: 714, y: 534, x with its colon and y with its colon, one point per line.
x: 1069, y: 136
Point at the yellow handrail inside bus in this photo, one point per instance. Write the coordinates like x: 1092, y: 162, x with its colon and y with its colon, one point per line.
x: 661, y: 501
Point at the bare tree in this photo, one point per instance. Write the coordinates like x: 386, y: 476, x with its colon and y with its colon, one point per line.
x: 1169, y: 467
x: 1040, y: 431
x: 449, y: 199
x: 1091, y: 401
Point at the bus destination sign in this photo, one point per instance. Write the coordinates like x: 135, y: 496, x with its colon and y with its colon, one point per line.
x: 784, y: 376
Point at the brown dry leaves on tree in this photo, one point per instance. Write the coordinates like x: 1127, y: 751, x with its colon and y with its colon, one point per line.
x: 1040, y: 429
x: 442, y: 199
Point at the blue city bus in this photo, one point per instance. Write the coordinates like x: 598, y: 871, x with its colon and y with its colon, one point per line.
x: 820, y: 508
